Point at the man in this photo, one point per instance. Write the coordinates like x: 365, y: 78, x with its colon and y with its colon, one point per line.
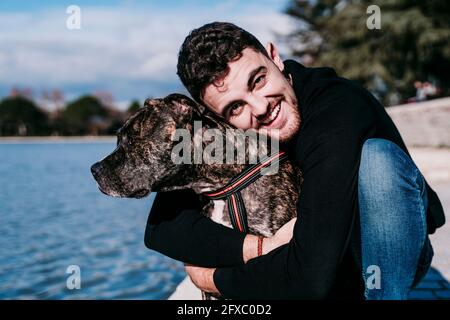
x: 356, y: 172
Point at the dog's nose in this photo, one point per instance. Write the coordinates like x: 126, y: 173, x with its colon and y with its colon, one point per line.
x: 95, y: 169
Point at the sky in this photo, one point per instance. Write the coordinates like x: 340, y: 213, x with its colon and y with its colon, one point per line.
x: 128, y: 48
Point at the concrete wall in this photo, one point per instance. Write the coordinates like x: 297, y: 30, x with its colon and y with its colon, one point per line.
x: 424, y: 124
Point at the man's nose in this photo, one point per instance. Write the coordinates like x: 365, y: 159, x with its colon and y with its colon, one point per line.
x: 259, y: 105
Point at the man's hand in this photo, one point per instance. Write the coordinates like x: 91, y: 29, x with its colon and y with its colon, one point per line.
x: 202, y: 278
x: 282, y: 236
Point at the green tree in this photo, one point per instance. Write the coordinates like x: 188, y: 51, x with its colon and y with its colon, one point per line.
x: 134, y: 106
x: 20, y: 116
x: 82, y: 116
x: 412, y: 44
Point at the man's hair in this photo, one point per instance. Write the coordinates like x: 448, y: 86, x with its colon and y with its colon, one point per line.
x: 206, y: 52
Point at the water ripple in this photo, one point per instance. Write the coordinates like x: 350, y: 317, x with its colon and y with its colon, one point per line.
x: 53, y: 216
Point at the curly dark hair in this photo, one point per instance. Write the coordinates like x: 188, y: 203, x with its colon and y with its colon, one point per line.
x: 206, y: 52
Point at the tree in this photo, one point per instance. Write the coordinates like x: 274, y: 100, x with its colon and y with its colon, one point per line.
x: 54, y: 99
x: 412, y: 44
x: 22, y: 92
x: 134, y: 106
x: 20, y: 116
x: 86, y: 115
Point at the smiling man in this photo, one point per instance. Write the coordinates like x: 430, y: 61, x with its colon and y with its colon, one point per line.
x: 275, y: 104
x: 363, y: 201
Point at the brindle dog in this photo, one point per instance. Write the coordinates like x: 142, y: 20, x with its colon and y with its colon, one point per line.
x: 142, y: 163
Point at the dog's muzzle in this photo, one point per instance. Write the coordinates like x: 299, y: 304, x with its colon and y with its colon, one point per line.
x: 98, y: 171
x: 95, y: 170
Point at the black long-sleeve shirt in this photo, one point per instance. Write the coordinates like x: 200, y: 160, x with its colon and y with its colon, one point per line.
x: 337, y: 117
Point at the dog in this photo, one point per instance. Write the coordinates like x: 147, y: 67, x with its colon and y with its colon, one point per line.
x: 143, y: 163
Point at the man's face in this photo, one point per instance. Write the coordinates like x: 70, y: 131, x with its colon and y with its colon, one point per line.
x: 256, y: 95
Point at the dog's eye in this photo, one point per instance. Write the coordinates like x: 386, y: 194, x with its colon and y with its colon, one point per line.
x: 122, y: 140
x: 127, y: 141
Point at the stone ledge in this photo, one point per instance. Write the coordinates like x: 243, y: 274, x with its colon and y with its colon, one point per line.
x: 424, y: 124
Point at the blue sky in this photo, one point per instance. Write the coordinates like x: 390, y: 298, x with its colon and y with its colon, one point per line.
x: 128, y: 48
x: 32, y: 5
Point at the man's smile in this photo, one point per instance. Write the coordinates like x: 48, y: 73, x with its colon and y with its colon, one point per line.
x: 271, y: 115
x: 273, y: 119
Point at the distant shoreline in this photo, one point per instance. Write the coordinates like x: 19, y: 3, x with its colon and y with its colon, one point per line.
x: 58, y: 139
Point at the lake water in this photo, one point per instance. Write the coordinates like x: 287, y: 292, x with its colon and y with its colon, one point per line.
x: 53, y: 216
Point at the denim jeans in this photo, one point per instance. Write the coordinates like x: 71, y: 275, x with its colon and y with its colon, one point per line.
x: 393, y: 203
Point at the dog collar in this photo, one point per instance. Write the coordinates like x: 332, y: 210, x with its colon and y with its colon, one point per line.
x: 231, y: 191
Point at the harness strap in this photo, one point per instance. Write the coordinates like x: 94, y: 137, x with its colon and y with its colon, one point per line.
x: 231, y: 191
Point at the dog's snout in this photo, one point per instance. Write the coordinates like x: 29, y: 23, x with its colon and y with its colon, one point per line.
x: 95, y: 169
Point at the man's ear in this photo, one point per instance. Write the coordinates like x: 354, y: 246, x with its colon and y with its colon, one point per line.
x: 272, y: 50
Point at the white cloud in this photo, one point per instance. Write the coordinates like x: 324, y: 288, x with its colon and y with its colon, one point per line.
x: 115, y: 46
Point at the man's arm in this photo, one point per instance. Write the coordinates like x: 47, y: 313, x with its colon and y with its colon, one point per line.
x: 176, y: 228
x: 306, y: 268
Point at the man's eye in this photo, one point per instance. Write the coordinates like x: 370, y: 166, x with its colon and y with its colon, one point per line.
x: 236, y: 109
x: 260, y: 80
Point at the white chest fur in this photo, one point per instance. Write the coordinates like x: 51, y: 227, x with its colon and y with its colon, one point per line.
x: 219, y: 212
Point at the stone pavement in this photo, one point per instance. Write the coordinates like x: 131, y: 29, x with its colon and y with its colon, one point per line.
x: 433, y: 287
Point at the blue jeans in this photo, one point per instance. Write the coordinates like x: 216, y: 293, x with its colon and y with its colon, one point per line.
x: 395, y: 249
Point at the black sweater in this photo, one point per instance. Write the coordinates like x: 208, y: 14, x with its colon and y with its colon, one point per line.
x: 321, y: 260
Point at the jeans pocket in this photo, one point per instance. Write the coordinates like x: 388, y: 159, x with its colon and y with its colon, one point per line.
x: 426, y: 256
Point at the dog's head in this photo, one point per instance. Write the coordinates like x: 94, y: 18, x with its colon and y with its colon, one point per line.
x: 142, y: 163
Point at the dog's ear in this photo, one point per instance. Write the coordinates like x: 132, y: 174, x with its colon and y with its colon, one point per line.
x: 149, y: 102
x: 180, y: 104
x: 181, y: 108
x: 199, y: 108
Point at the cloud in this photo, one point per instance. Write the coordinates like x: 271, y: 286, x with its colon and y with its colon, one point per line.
x: 131, y: 52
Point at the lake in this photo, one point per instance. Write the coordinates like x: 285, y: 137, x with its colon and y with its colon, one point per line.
x: 53, y: 216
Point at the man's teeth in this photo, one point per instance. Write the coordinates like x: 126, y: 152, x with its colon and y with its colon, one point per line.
x: 272, y: 115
